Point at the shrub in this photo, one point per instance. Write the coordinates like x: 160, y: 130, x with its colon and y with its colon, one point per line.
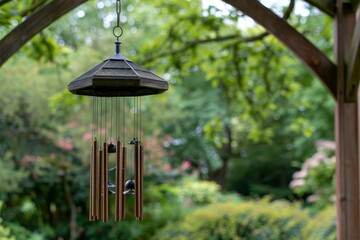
x: 200, y: 192
x: 253, y: 220
x: 322, y: 226
x: 4, y: 231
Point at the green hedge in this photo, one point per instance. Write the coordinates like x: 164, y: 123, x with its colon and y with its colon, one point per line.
x: 321, y: 226
x: 252, y: 220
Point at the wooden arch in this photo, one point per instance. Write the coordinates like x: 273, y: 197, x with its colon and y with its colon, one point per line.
x: 341, y: 79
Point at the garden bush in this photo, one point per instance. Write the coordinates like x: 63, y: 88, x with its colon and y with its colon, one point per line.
x: 253, y: 220
x: 322, y: 226
x: 4, y: 231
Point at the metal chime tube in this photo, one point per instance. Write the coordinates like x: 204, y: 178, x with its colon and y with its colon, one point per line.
x: 105, y: 183
x: 136, y: 156
x: 94, y: 180
x: 138, y: 180
x: 100, y: 185
x: 97, y: 181
x: 118, y: 181
x: 123, y: 179
x: 92, y: 194
x: 141, y: 217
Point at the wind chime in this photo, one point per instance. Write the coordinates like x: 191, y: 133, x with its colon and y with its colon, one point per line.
x: 108, y: 83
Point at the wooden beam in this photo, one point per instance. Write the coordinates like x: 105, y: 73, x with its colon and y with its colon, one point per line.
x: 353, y: 63
x: 346, y: 133
x: 326, y: 6
x: 41, y: 19
x: 310, y: 55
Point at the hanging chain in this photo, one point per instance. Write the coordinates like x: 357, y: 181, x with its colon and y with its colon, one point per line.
x: 117, y: 30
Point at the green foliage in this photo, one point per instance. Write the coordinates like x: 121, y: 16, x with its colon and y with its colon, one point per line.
x: 322, y: 226
x: 200, y: 192
x: 247, y: 220
x: 62, y: 104
x: 21, y: 233
x: 4, y: 231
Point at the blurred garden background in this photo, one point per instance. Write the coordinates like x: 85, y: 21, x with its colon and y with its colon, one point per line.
x: 240, y: 147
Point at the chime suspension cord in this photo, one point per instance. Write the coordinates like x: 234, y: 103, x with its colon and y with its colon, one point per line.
x: 134, y: 109
x: 111, y: 118
x: 123, y: 122
x: 137, y: 118
x: 105, y: 120
x: 117, y: 118
x: 101, y: 120
x: 92, y: 119
x: 140, y: 121
x: 96, y: 115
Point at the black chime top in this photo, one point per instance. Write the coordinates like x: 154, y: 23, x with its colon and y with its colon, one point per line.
x: 118, y: 76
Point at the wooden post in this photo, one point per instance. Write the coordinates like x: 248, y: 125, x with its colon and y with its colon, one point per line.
x: 346, y: 131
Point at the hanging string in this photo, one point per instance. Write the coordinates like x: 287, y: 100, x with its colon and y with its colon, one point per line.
x: 101, y: 120
x: 140, y: 121
x: 105, y: 124
x: 116, y: 118
x: 122, y: 120
x: 111, y: 118
x: 97, y: 116
x: 134, y: 109
x: 138, y: 112
x: 92, y: 118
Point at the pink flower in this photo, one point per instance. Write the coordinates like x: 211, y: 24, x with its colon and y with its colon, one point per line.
x: 185, y: 165
x: 86, y: 136
x: 27, y: 159
x: 300, y: 174
x: 65, y: 143
x: 297, y: 183
x: 312, y: 198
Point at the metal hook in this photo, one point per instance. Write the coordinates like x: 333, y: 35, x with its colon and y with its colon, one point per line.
x: 118, y: 27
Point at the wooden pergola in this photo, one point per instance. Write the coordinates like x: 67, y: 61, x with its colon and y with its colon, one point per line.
x: 340, y: 78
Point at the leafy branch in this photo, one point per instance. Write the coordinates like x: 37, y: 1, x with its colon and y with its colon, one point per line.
x: 187, y: 45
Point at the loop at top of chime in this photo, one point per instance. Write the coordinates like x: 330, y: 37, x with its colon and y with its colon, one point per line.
x: 118, y: 76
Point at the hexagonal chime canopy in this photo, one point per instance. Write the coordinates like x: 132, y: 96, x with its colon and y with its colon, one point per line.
x: 118, y: 76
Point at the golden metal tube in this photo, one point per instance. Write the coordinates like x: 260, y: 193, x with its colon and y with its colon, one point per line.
x: 91, y: 187
x: 101, y: 207
x: 97, y: 181
x: 118, y: 182
x: 106, y: 180
x: 137, y: 179
x: 141, y: 217
x: 123, y: 179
